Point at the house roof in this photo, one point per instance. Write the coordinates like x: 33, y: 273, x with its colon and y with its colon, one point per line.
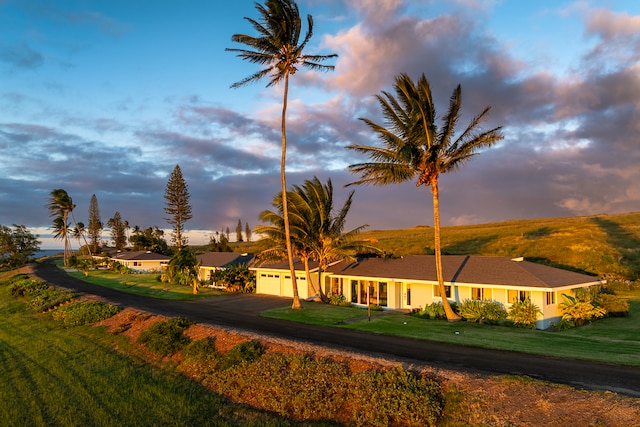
x: 223, y: 259
x: 480, y: 270
x: 141, y: 256
x: 298, y: 265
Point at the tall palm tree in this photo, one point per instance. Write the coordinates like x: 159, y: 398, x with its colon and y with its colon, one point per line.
x: 414, y: 147
x: 79, y: 231
x: 278, y: 49
x: 60, y: 206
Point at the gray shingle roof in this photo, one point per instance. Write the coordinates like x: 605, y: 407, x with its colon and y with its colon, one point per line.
x: 141, y: 256
x: 223, y: 259
x: 480, y: 270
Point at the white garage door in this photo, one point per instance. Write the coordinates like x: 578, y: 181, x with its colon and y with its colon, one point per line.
x: 269, y: 284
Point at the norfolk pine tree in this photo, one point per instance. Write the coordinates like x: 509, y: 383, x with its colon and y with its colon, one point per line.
x: 177, y: 206
x: 94, y: 228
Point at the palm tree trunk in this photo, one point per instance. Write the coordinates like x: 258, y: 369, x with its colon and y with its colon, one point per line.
x: 451, y: 315
x: 285, y: 208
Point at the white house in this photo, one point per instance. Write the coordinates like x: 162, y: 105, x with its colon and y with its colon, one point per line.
x: 214, y: 261
x: 142, y: 261
x: 410, y: 282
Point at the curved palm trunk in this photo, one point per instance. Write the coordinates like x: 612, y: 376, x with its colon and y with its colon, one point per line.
x: 285, y: 208
x: 67, y: 244
x: 451, y: 315
x: 81, y: 235
x: 307, y: 272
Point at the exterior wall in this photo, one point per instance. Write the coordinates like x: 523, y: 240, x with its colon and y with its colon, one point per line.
x: 278, y: 283
x: 143, y: 266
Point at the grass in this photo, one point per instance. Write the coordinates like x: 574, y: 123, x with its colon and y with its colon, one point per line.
x: 612, y: 340
x: 143, y: 284
x: 53, y: 375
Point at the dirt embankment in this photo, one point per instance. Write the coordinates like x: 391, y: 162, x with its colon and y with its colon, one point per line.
x: 473, y: 399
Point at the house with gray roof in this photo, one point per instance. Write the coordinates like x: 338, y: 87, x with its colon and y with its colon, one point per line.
x: 410, y: 282
x: 142, y: 261
x: 210, y: 262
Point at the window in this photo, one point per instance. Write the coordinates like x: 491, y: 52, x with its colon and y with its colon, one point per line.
x: 382, y: 293
x: 476, y: 293
x: 447, y: 291
x: 408, y: 294
x: 354, y: 291
x: 515, y: 296
x: 551, y: 298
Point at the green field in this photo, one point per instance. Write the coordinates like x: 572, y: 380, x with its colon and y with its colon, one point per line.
x: 83, y: 376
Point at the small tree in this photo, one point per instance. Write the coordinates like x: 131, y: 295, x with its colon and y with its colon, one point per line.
x: 118, y: 231
x: 578, y: 311
x: 247, y: 231
x: 183, y: 270
x: 177, y: 206
x: 16, y: 246
x: 239, y: 231
x: 94, y: 229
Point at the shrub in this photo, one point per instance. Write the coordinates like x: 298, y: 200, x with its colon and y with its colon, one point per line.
x: 375, y: 307
x: 201, y: 350
x: 84, y: 313
x: 48, y: 298
x: 165, y: 338
x: 304, y: 388
x: 524, y: 314
x: 395, y: 397
x: 579, y: 311
x: 241, y: 354
x: 482, y: 311
x: 615, y: 307
x: 22, y: 285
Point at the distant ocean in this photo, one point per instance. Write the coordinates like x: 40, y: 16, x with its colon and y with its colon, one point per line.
x: 47, y: 252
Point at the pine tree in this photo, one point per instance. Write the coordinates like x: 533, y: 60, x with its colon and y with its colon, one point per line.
x: 177, y: 206
x: 95, y: 224
x: 247, y: 231
x: 239, y: 231
x: 118, y: 231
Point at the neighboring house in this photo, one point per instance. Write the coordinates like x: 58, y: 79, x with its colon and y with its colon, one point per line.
x: 142, y: 261
x: 410, y: 282
x: 213, y: 261
x: 275, y: 279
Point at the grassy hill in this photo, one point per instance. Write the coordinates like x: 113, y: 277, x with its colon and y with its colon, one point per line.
x: 600, y: 245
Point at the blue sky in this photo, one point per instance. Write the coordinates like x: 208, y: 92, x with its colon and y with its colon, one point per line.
x: 106, y: 97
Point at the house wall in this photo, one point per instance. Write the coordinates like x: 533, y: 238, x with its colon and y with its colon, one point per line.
x: 143, y: 266
x: 278, y: 282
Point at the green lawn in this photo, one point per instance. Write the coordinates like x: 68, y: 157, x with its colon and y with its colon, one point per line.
x: 142, y: 284
x: 614, y: 340
x: 52, y: 376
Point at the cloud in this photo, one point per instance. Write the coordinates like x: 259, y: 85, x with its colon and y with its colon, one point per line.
x: 21, y: 56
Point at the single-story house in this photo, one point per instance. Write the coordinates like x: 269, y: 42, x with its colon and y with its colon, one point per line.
x: 275, y: 278
x: 214, y: 261
x: 410, y: 282
x: 142, y: 261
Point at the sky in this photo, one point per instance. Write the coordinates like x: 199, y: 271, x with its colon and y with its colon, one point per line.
x: 107, y: 97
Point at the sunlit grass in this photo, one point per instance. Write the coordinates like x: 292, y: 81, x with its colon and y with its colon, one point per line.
x: 73, y: 377
x: 614, y: 340
x: 146, y: 284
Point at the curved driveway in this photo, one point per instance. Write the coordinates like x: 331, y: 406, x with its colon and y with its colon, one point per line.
x: 243, y: 312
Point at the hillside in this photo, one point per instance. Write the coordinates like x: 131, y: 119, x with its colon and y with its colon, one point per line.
x: 600, y: 245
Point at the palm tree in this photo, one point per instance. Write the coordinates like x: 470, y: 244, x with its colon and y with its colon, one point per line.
x: 277, y: 47
x: 413, y: 147
x: 79, y: 232
x: 60, y: 206
x: 317, y: 232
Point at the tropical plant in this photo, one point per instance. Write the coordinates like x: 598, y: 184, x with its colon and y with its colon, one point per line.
x: 524, y: 314
x: 614, y: 306
x: 60, y: 207
x: 183, y: 270
x: 236, y: 278
x: 482, y: 311
x: 317, y: 229
x: 414, y: 147
x: 177, y: 206
x: 578, y: 310
x: 79, y: 232
x: 94, y: 229
x: 149, y: 239
x: 278, y: 48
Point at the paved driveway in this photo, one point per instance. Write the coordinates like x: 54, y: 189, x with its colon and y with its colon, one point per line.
x: 243, y: 312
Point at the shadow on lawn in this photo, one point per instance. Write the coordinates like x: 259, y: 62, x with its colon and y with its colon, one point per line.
x: 624, y: 241
x: 469, y: 246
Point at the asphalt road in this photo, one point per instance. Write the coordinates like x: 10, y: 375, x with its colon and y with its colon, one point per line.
x: 243, y: 312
